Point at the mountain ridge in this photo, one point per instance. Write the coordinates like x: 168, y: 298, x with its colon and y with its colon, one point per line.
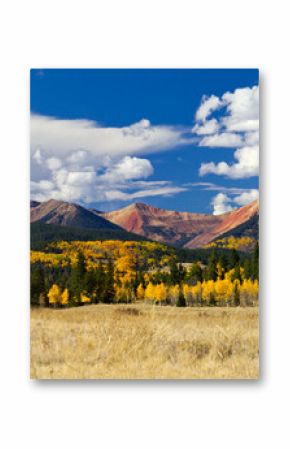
x: 184, y: 229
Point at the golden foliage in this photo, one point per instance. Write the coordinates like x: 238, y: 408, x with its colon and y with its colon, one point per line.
x: 54, y: 294
x: 140, y: 292
x: 238, y: 243
x: 64, y: 297
x: 160, y: 292
x: 85, y: 299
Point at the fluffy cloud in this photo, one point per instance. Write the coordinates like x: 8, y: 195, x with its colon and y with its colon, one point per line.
x: 80, y: 160
x: 239, y: 112
x: 247, y: 197
x: 89, y: 184
x: 209, y: 127
x: 60, y: 137
x: 207, y: 107
x: 128, y: 168
x: 222, y: 140
x: 223, y: 203
x: 236, y: 127
x: 242, y: 107
x: 247, y: 165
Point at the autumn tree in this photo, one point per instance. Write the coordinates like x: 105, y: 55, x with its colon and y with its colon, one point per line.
x: 208, y: 291
x: 54, y: 295
x: 64, y: 299
x: 160, y: 292
x: 140, y: 292
x: 85, y: 299
x: 173, y: 293
x: 150, y: 292
x: 187, y: 292
x: 236, y: 293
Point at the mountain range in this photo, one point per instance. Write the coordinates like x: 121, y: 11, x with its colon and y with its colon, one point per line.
x: 183, y: 229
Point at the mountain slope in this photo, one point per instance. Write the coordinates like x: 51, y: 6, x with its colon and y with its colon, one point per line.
x: 42, y: 233
x: 68, y: 214
x: 184, y: 229
x: 162, y: 225
x: 230, y: 221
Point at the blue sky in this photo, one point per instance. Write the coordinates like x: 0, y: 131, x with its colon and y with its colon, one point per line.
x: 177, y: 139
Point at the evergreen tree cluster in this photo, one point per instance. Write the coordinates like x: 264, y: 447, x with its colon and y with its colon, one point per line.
x: 97, y: 283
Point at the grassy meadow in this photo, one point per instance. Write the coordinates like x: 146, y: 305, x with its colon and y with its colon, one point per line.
x: 144, y: 341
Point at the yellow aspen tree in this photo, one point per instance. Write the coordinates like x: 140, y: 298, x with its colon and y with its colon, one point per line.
x: 247, y: 292
x: 173, y: 293
x: 160, y: 292
x: 187, y: 293
x: 85, y: 299
x: 220, y: 271
x: 208, y: 291
x: 54, y: 295
x: 255, y: 290
x: 150, y: 292
x: 64, y: 297
x: 223, y: 291
x: 196, y: 292
x: 140, y: 292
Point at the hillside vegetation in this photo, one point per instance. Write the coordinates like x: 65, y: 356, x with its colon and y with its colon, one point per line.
x: 77, y: 273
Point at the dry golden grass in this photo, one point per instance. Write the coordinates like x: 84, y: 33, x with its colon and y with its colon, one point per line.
x: 144, y: 342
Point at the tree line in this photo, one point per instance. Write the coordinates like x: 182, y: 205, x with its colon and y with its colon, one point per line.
x: 223, y: 280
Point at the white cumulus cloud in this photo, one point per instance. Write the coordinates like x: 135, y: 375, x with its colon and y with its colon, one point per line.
x: 223, y: 202
x: 207, y: 107
x: 81, y: 160
x: 247, y: 165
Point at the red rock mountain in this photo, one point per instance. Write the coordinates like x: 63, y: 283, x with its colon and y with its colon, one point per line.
x: 185, y: 229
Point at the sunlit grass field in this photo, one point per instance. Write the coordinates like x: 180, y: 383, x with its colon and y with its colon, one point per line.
x: 142, y: 341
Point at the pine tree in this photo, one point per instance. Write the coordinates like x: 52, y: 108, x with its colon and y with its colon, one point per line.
x: 77, y: 278
x: 174, y: 272
x: 236, y: 293
x: 109, y: 287
x: 234, y: 258
x: 89, y: 284
x: 100, y: 283
x: 248, y: 268
x: 195, y: 273
x: 211, y: 270
x: 181, y: 299
x: 37, y: 283
x: 237, y: 273
x: 223, y: 260
x: 255, y: 263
